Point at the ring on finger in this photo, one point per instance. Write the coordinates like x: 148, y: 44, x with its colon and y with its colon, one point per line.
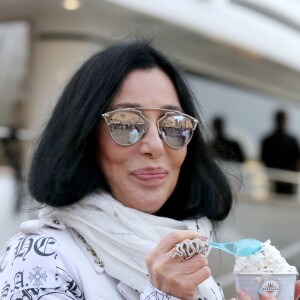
x: 189, y: 248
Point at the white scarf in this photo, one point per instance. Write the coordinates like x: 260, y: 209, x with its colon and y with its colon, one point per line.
x: 122, y: 237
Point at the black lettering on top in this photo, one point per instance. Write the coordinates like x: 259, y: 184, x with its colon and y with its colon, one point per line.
x: 18, y: 281
x: 23, y: 247
x: 5, y: 290
x: 42, y: 246
x: 3, y: 258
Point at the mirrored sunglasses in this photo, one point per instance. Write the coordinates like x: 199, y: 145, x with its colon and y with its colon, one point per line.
x: 127, y: 126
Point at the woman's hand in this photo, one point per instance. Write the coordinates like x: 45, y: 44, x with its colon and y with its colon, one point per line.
x: 172, y: 275
x: 243, y: 295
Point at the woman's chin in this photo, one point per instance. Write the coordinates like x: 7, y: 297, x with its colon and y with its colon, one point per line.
x: 150, y: 204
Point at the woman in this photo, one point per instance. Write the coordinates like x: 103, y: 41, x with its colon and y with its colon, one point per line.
x: 113, y: 210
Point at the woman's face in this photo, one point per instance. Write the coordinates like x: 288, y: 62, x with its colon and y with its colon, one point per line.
x: 143, y: 175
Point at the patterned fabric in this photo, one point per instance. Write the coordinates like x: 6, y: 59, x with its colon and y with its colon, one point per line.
x: 152, y: 293
x: 121, y: 236
x: 46, y: 260
x: 31, y: 268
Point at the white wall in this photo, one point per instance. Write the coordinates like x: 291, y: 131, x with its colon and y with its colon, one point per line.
x: 54, y: 61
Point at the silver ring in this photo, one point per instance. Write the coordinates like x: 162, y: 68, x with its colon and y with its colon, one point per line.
x: 189, y: 248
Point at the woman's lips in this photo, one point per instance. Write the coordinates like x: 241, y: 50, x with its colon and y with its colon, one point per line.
x: 150, y: 174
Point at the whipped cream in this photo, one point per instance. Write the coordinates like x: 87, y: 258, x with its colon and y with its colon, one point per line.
x: 267, y: 260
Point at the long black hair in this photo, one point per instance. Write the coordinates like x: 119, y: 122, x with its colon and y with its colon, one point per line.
x: 64, y: 167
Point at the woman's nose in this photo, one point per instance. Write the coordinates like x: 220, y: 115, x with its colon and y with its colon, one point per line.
x: 151, y: 143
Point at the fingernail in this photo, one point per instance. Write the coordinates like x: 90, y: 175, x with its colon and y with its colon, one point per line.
x: 202, y: 237
x: 264, y: 294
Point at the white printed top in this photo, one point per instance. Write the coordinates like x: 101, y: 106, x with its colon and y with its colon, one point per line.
x: 52, y: 263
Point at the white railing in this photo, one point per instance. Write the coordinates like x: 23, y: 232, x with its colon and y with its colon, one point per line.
x: 256, y: 180
x: 25, y: 135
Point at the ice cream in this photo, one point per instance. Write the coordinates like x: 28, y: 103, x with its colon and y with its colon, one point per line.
x: 267, y: 271
x: 267, y: 260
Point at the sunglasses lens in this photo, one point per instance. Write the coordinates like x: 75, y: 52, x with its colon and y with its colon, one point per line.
x: 176, y: 130
x: 126, y: 128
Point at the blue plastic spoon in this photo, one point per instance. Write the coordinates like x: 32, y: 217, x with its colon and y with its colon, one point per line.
x: 243, y: 247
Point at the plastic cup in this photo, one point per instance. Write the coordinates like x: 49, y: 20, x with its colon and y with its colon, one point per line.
x: 282, y: 286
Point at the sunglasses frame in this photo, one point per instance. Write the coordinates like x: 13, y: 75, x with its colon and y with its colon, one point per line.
x: 138, y: 111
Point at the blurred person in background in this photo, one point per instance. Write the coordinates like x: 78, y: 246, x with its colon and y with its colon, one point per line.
x: 224, y: 147
x: 280, y: 150
x: 115, y: 215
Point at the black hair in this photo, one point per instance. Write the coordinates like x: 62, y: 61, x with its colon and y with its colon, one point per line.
x: 64, y: 167
x: 280, y: 119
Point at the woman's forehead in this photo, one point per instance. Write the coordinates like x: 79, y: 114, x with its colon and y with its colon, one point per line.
x: 146, y: 88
